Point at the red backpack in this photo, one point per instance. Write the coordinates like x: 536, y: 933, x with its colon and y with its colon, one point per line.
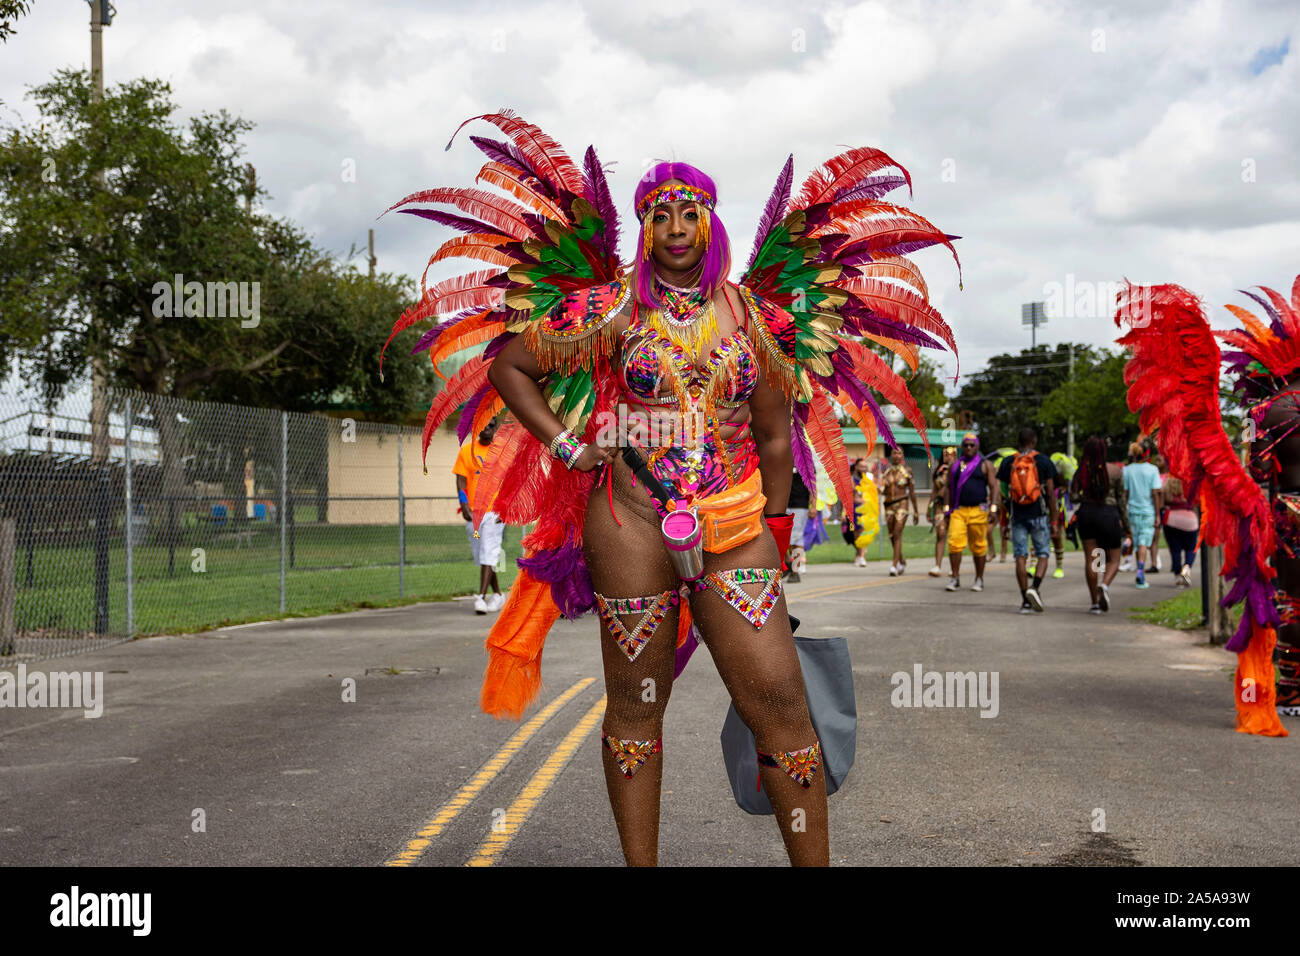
x: 1025, y: 489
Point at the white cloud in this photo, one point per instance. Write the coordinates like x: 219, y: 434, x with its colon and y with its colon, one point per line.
x: 1094, y: 142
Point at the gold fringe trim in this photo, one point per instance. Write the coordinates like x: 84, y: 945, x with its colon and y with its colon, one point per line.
x: 782, y: 374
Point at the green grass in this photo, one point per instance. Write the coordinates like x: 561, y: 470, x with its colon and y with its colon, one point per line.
x: 336, y: 568
x: 918, y: 544
x: 1181, y: 612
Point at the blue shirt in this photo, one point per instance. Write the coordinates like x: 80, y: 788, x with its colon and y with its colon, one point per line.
x: 1139, y: 481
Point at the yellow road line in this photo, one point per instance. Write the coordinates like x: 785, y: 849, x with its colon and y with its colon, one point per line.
x: 534, y: 790
x: 485, y: 776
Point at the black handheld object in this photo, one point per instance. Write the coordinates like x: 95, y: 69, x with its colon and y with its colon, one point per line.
x: 637, y: 464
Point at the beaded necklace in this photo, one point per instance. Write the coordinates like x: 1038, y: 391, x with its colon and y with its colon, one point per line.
x: 687, y: 318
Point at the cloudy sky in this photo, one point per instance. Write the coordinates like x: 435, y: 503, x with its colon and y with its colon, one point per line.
x: 1069, y: 144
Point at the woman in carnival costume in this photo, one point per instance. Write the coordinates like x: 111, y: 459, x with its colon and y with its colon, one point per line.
x: 1173, y: 380
x: 735, y: 382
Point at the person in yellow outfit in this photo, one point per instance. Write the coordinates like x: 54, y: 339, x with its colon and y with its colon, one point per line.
x: 971, y: 496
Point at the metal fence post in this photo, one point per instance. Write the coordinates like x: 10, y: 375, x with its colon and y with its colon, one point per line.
x: 103, y: 517
x: 401, y: 519
x: 130, y: 523
x: 284, y: 486
x: 8, y: 586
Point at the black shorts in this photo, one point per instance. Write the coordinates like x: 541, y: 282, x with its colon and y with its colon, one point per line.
x: 1100, y: 523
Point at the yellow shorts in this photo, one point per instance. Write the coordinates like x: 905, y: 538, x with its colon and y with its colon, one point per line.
x: 969, y: 522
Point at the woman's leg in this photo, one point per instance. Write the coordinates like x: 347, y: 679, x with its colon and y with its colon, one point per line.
x: 1112, y: 565
x: 628, y: 563
x: 760, y: 668
x: 1091, y: 552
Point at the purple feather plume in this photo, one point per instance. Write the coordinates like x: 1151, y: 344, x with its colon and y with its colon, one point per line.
x: 466, y: 420
x: 497, y: 344
x: 774, y: 211
x: 1275, y: 320
x: 872, y: 188
x: 597, y: 193
x: 802, y: 452
x: 565, y: 570
x: 508, y: 154
x: 463, y: 223
x: 428, y: 339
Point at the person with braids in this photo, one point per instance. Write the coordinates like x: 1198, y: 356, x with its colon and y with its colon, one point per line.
x: 1098, y: 489
x: 656, y: 417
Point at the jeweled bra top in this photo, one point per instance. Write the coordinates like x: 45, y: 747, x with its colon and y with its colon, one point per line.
x: 652, y: 367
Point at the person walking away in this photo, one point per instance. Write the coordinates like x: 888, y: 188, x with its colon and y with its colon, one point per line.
x: 935, y: 513
x: 1098, y: 491
x: 1162, y: 466
x: 899, y: 486
x: 486, y: 545
x: 1065, y: 466
x: 1181, y: 525
x: 1030, y: 477
x: 971, y: 495
x: 1142, y: 485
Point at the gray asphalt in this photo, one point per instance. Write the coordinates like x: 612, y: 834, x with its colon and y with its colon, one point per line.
x: 249, y: 726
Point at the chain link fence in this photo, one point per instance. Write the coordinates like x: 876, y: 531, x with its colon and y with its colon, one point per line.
x: 190, y: 515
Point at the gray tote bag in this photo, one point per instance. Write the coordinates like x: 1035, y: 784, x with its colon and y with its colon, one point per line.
x: 828, y: 684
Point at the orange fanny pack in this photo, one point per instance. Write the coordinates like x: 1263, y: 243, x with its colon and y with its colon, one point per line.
x: 734, y: 516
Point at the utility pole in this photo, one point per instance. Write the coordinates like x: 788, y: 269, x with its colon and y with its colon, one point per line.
x: 373, y: 260
x: 101, y: 15
x: 1069, y: 427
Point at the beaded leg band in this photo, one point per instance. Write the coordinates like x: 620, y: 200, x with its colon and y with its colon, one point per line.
x: 800, y: 765
x: 728, y: 586
x: 631, y: 755
x: 652, y: 609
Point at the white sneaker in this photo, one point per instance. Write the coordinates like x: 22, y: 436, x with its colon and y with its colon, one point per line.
x: 1158, y: 568
x: 859, y: 562
x: 936, y: 572
x: 954, y: 584
x: 1126, y: 564
x: 893, y: 571
x: 494, y: 603
x: 1185, y: 575
x: 1035, y: 601
x: 800, y: 564
x: 480, y: 606
x: 978, y: 585
x: 1103, y: 597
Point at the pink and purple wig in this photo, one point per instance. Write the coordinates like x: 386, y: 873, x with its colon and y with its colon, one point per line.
x: 717, y: 256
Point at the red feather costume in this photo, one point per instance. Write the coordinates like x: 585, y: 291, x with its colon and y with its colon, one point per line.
x: 1173, y: 380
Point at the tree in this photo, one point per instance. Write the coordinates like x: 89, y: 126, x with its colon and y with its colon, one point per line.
x: 11, y: 10
x: 1096, y: 400
x: 1008, y: 395
x: 307, y: 332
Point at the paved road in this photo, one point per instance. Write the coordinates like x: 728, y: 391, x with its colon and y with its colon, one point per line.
x: 249, y: 726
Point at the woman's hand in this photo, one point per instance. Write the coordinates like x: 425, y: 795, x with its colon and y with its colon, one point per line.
x: 592, y: 457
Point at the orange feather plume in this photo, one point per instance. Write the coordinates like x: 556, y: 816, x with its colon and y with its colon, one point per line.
x: 513, y: 677
x: 447, y: 345
x: 458, y: 390
x: 823, y: 433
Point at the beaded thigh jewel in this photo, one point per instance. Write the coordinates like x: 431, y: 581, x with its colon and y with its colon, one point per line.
x: 631, y: 755
x: 727, y: 584
x: 800, y: 765
x: 652, y: 609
